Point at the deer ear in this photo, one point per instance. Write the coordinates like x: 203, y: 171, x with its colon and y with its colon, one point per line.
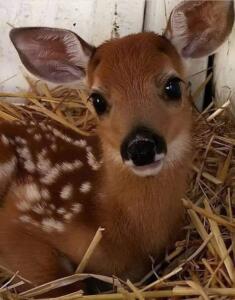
x: 198, y: 28
x: 52, y: 54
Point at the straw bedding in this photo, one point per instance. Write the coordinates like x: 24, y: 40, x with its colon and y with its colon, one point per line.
x: 201, y: 266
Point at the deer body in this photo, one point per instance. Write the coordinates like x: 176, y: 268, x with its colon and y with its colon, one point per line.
x: 57, y: 188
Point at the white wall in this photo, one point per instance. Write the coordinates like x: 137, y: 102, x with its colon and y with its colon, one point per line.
x: 94, y: 20
x: 224, y: 72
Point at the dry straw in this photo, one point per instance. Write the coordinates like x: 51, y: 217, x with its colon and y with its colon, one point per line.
x: 201, y: 265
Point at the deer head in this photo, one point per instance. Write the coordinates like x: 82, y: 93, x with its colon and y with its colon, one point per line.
x: 137, y: 83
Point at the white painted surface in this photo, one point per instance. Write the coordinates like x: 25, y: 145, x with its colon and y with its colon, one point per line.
x: 224, y: 72
x: 156, y: 16
x: 94, y: 20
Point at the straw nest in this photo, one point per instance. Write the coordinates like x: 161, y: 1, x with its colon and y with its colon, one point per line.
x: 201, y: 266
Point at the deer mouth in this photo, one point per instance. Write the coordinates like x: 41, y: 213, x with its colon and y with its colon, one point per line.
x: 151, y: 169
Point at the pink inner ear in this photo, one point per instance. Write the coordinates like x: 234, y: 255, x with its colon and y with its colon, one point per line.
x: 198, y: 28
x: 60, y: 72
x: 200, y: 45
x: 52, y: 54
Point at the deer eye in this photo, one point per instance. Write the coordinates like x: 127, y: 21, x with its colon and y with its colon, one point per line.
x: 99, y: 103
x: 173, y: 88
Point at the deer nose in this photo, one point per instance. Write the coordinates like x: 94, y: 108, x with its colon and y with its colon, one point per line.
x: 141, y: 152
x: 143, y: 147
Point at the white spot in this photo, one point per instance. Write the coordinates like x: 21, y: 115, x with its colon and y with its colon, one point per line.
x: 43, y: 164
x: 29, y: 166
x: 43, y: 153
x: 25, y: 154
x: 53, y: 147
x: 27, y: 195
x: 95, y: 165
x: 37, y: 137
x: 52, y: 206
x: 12, y: 142
x: 61, y: 211
x: 28, y: 220
x: 85, y: 187
x: 61, y: 135
x: 67, y: 166
x: 45, y: 193
x: 30, y: 130
x: 80, y: 143
x: 51, y: 176
x: 4, y: 140
x: 67, y: 139
x: 43, y: 126
x: 50, y: 127
x: 50, y: 225
x: 77, y: 164
x: 66, y: 192
x: 89, y: 149
x: 23, y: 205
x: 20, y: 140
x: 76, y: 208
x: 68, y: 216
x: 7, y: 168
x: 38, y: 209
x: 32, y: 192
x: 25, y: 219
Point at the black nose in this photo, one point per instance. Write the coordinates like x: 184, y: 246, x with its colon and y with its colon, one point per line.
x: 141, y: 146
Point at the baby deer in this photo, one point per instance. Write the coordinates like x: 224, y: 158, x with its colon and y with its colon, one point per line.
x: 57, y: 188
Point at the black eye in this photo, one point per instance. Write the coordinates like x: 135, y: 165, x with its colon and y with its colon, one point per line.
x: 99, y: 103
x: 173, y: 89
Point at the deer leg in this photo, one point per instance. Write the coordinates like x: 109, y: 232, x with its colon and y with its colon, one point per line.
x: 35, y: 259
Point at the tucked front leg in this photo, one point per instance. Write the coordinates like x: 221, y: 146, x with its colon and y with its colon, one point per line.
x: 35, y: 259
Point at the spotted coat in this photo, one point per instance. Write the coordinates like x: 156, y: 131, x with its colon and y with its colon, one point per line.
x: 52, y: 171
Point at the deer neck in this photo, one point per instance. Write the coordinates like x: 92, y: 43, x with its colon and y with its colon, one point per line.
x: 144, y: 204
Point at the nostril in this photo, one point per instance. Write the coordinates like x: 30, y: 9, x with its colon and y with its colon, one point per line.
x: 142, y: 152
x: 141, y: 147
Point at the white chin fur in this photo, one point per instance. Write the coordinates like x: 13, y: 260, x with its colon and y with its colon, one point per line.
x: 149, y: 170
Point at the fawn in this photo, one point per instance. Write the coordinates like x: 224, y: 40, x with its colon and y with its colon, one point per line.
x: 57, y: 187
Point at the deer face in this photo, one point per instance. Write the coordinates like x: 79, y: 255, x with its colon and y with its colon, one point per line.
x: 138, y: 90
